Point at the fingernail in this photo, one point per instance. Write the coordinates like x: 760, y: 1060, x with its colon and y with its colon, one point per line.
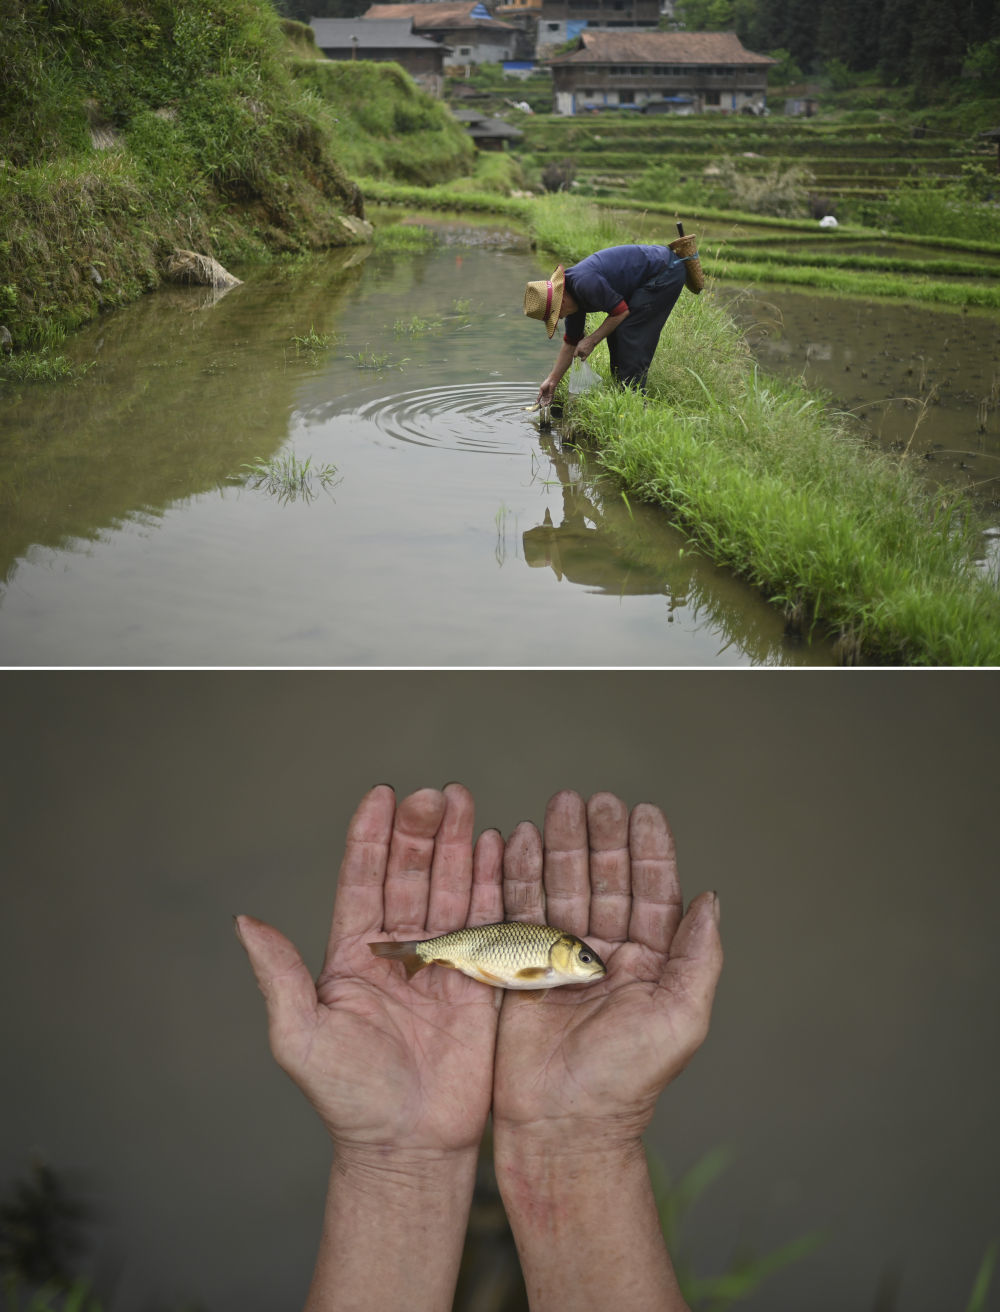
x: 716, y: 907
x: 389, y: 786
x: 236, y: 929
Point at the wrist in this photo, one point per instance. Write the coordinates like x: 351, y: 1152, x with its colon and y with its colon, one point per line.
x: 544, y: 1155
x: 402, y: 1168
x: 589, y: 1206
x: 384, y: 1206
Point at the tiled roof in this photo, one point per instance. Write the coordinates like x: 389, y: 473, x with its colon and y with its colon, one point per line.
x: 659, y: 48
x: 439, y: 13
x: 389, y: 34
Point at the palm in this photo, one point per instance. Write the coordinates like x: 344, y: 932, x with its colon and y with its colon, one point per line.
x: 386, y: 1061
x: 407, y: 1060
x: 603, y: 1051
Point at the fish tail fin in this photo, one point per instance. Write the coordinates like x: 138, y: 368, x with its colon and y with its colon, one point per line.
x: 404, y: 952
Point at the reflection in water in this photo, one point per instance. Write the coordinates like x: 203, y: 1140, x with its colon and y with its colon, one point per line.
x: 608, y: 545
x: 582, y: 547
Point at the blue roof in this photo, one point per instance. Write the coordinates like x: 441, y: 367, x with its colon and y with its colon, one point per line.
x: 480, y: 11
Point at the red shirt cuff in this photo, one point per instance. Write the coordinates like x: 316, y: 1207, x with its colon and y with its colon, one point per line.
x: 620, y: 308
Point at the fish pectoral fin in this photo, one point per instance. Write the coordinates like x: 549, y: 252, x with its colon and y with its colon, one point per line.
x: 532, y: 972
x: 487, y: 977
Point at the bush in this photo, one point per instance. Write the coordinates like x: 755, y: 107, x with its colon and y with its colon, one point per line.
x: 776, y: 191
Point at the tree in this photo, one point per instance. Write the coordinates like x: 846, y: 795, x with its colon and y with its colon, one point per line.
x: 895, y: 39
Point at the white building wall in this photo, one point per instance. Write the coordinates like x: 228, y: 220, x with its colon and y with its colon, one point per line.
x: 479, y: 52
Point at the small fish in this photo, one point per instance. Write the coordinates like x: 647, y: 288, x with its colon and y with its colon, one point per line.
x: 509, y: 955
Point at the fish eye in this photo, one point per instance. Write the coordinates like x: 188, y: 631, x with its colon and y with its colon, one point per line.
x: 586, y: 956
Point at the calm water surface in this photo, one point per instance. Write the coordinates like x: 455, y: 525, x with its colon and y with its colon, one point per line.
x: 457, y: 532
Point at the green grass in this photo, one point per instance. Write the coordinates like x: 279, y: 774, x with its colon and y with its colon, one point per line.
x: 416, y: 326
x: 770, y: 483
x: 376, y: 361
x: 747, y: 1270
x: 385, y: 125
x: 288, y: 478
x: 39, y: 367
x: 405, y: 237
x: 221, y: 136
x: 314, y: 341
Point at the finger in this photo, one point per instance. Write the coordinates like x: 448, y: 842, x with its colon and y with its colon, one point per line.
x: 656, y: 893
x: 451, y: 868
x: 357, y: 908
x: 566, y: 866
x: 406, y: 892
x: 486, y: 904
x: 285, y: 982
x: 610, y: 882
x: 691, y: 974
x: 523, y: 898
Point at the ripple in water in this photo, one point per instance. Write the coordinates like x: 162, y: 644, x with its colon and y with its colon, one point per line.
x: 489, y: 417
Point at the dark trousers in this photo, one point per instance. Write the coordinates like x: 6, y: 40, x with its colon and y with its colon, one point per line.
x: 633, y: 343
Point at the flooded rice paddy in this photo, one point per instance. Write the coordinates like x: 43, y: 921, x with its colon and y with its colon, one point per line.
x: 454, y: 531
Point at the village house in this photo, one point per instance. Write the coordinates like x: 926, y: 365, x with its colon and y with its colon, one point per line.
x: 386, y: 39
x: 563, y: 20
x: 471, y: 35
x: 486, y: 130
x: 698, y: 72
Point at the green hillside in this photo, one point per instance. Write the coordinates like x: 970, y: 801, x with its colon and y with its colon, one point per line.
x: 203, y: 124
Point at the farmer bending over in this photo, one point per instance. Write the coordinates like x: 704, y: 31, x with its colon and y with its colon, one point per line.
x: 635, y: 286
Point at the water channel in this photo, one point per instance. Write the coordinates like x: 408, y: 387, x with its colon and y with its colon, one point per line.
x: 456, y: 531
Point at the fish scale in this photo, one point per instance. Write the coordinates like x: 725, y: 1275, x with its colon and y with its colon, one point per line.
x: 507, y: 954
x: 509, y: 943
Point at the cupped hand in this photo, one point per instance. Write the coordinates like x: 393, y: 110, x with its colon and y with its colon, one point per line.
x: 387, y: 1062
x: 587, y: 1062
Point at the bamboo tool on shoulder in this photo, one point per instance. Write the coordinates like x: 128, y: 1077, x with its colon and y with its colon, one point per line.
x: 687, y: 249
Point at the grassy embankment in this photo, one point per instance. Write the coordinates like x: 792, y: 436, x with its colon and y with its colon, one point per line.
x: 772, y: 483
x: 202, y: 124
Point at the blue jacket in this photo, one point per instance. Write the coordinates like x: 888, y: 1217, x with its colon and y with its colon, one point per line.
x: 606, y: 279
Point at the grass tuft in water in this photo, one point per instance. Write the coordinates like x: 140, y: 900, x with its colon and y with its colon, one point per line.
x: 417, y: 326
x: 288, y: 478
x: 40, y: 367
x: 376, y: 361
x: 314, y: 341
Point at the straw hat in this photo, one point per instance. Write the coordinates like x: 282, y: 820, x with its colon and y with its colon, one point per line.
x: 543, y: 300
